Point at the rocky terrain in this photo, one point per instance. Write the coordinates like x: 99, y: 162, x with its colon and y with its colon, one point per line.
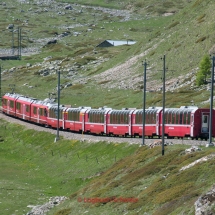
x: 115, y: 77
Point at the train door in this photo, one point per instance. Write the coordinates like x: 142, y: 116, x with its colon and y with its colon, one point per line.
x: 23, y: 111
x: 8, y: 106
x: 205, y: 123
x: 65, y: 117
x: 105, y: 122
x: 158, y: 122
x: 129, y: 123
x: 38, y: 115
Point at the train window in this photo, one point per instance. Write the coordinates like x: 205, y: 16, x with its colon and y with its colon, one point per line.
x: 169, y: 118
x: 91, y: 116
x: 165, y: 118
x: 35, y: 110
x: 40, y: 111
x: 149, y: 118
x: 177, y: 118
x: 188, y: 118
x: 185, y: 118
x: 18, y: 106
x: 27, y: 108
x: 118, y: 117
x: 77, y: 115
x: 181, y: 117
x: 12, y: 104
x: 45, y: 112
x: 205, y: 119
x: 61, y: 113
x: 173, y: 118
x: 4, y: 101
x: 154, y: 118
x: 121, y: 118
x: 126, y: 118
x: 138, y: 118
x: 141, y: 118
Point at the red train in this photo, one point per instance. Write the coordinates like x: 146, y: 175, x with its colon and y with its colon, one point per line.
x: 186, y: 121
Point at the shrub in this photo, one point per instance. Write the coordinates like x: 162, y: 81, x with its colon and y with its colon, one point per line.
x: 204, y: 71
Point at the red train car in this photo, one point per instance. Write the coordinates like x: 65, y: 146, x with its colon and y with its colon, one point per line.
x: 119, y: 122
x: 152, y: 116
x: 23, y: 107
x: 96, y: 120
x: 9, y: 103
x: 52, y: 118
x: 39, y: 111
x: 74, y: 119
x: 187, y: 121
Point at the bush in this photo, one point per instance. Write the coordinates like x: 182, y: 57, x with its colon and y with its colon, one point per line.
x: 204, y: 70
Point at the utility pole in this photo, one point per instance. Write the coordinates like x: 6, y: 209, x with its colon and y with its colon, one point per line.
x: 19, y: 42
x: 163, y: 118
x: 144, y: 103
x: 13, y: 40
x: 58, y: 108
x: 12, y: 86
x: 210, y: 143
x: 0, y: 87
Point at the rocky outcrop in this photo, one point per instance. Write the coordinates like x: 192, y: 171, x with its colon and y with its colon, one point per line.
x: 43, y: 209
x: 206, y: 203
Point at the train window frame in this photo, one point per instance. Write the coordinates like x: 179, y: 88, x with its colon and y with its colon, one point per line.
x: 40, y: 111
x: 11, y: 104
x: 169, y: 117
x: 27, y: 108
x: 34, y: 110
x: 18, y: 106
x: 190, y: 118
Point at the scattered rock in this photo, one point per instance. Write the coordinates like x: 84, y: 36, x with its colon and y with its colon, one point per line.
x: 192, y: 149
x: 10, y: 26
x: 43, y: 209
x: 54, y: 41
x: 68, y: 7
x: 159, y: 143
x: 206, y: 203
x: 203, y: 159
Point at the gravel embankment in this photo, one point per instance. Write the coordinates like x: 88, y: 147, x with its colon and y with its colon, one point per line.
x: 92, y: 138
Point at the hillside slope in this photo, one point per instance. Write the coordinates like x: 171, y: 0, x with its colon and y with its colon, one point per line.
x: 147, y: 183
x: 184, y: 37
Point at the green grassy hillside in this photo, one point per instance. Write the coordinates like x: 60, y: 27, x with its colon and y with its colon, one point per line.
x: 34, y: 168
x: 153, y: 182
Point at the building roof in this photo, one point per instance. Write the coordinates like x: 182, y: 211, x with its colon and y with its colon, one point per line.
x: 108, y: 43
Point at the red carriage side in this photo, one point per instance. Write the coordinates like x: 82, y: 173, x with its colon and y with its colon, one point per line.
x: 186, y: 121
x: 152, y: 116
x: 95, y: 120
x: 177, y: 122
x: 200, y: 124
x: 52, y: 119
x: 9, y: 103
x: 23, y: 107
x: 74, y: 119
x: 39, y: 111
x: 119, y: 122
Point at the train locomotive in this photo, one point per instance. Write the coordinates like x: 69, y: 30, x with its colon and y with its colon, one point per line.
x: 183, y: 122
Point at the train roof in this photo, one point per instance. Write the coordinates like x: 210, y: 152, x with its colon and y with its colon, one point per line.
x: 12, y: 95
x: 26, y: 99
x: 149, y: 110
x: 45, y: 103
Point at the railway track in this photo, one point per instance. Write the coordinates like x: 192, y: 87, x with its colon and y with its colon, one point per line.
x: 95, y: 138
